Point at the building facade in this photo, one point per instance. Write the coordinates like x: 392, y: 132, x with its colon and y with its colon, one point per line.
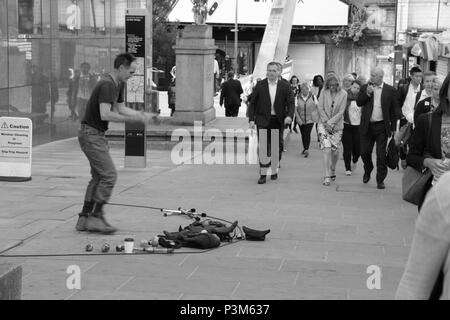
x: 44, y: 46
x: 311, y: 45
x: 424, y: 33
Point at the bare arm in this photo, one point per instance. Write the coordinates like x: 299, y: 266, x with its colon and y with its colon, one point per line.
x: 114, y: 116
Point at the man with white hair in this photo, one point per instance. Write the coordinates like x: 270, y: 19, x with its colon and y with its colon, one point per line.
x: 379, y: 114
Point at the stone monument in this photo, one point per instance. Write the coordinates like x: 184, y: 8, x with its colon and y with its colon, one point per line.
x: 195, y: 51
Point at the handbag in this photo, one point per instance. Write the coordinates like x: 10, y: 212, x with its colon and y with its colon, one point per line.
x: 392, y: 155
x: 414, y: 183
x: 252, y: 153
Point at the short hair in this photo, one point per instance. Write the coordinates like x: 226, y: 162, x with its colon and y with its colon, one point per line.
x: 124, y: 59
x: 330, y: 78
x: 429, y: 74
x: 359, y: 83
x: 362, y: 79
x: 305, y: 84
x: 349, y: 76
x: 377, y: 70
x: 272, y: 63
x: 230, y: 74
x: 414, y: 70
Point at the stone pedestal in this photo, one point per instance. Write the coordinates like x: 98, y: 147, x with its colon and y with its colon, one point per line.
x: 195, y: 51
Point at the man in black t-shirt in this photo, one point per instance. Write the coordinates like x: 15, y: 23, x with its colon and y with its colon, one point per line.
x: 105, y: 104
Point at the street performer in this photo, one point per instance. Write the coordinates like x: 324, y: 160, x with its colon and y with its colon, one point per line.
x: 106, y: 104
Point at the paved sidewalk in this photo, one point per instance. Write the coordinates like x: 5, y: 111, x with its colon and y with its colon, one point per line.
x: 322, y: 238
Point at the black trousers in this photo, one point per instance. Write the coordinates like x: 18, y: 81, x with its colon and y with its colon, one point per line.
x: 351, y: 142
x: 375, y: 134
x: 305, y: 130
x: 232, y: 110
x: 265, y: 138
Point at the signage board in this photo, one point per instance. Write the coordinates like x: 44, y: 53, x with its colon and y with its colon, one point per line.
x: 135, y: 133
x: 15, y: 149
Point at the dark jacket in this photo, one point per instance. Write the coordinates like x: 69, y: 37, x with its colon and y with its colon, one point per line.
x: 389, y: 105
x: 231, y: 93
x: 424, y: 106
x: 403, y: 92
x: 260, y: 106
x: 423, y: 144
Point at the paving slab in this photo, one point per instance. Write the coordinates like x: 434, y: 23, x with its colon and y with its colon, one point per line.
x: 321, y: 242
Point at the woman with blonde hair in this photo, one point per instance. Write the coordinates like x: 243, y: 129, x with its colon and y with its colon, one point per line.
x: 331, y: 107
x: 347, y: 81
x: 432, y: 102
x: 306, y: 115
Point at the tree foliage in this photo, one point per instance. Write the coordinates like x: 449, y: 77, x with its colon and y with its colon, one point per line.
x: 164, y: 35
x: 354, y: 31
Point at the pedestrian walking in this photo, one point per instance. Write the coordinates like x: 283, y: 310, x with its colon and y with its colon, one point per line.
x: 431, y: 149
x: 332, y: 103
x: 231, y: 95
x: 408, y: 96
x: 351, y: 136
x: 379, y: 114
x: 317, y: 85
x: 106, y: 103
x: 432, y: 102
x: 171, y: 95
x: 347, y: 81
x: 306, y: 114
x: 271, y: 108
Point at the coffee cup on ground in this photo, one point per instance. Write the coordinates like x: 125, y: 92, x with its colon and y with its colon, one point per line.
x: 128, y: 245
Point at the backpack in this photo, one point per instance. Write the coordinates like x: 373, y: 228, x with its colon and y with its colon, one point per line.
x: 392, y: 155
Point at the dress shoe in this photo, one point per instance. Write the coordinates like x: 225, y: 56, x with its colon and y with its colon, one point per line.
x: 274, y: 177
x: 366, y: 177
x: 381, y: 186
x: 262, y: 180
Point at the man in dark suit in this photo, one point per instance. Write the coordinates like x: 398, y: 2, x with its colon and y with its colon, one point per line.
x: 378, y: 120
x: 231, y: 94
x: 271, y: 108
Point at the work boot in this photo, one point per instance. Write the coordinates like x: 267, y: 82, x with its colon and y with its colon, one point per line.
x: 85, y: 212
x: 97, y: 222
x: 81, y: 223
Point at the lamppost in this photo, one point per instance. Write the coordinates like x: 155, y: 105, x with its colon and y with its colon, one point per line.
x: 236, y: 30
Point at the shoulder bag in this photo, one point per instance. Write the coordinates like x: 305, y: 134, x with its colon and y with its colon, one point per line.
x: 414, y: 183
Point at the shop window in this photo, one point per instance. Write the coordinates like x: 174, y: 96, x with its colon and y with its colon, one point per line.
x: 29, y: 17
x: 95, y: 13
x: 3, y: 20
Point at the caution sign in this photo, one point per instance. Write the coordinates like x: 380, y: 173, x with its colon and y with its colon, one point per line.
x: 15, y: 149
